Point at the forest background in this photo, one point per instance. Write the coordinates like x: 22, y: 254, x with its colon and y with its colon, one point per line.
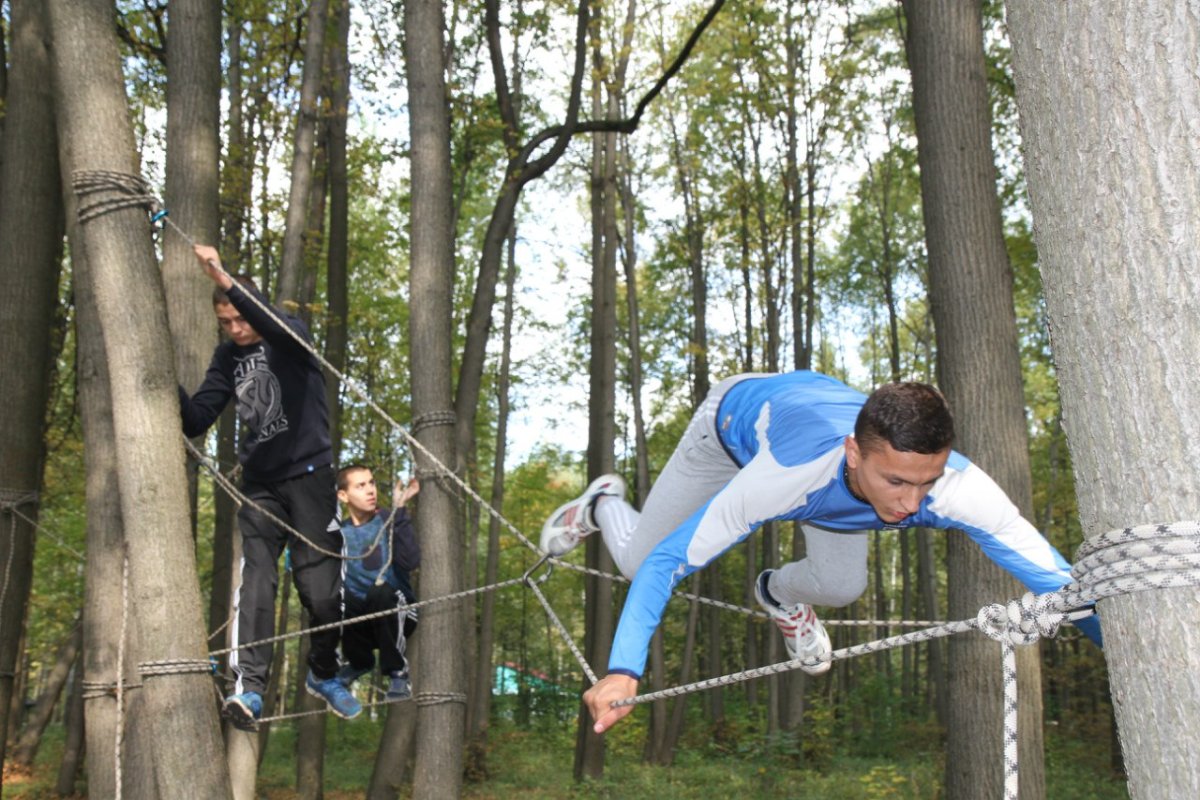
x: 764, y: 215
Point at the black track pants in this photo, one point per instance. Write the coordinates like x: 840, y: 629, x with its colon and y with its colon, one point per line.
x: 309, y: 504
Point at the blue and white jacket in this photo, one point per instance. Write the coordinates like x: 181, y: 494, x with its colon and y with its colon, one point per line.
x: 787, y: 433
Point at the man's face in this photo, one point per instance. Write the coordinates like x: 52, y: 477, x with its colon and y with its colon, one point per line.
x: 893, y: 482
x: 359, y: 494
x: 237, y: 328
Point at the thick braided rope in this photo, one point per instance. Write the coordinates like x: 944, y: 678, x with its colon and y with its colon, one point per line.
x: 174, y: 666
x: 103, y: 191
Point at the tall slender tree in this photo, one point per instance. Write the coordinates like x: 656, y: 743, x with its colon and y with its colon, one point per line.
x: 440, y: 671
x: 31, y: 231
x: 979, y: 368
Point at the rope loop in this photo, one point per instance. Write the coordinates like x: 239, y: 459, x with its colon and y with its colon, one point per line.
x: 432, y: 419
x: 439, y: 698
x: 175, y: 666
x: 1023, y: 620
x: 101, y: 192
x: 12, y: 499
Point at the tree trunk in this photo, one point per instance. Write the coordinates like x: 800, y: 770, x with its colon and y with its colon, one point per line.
x: 979, y: 369
x: 482, y: 705
x: 30, y: 252
x: 602, y: 371
x: 73, y: 747
x: 310, y: 730
x: 337, y: 269
x: 193, y: 159
x: 292, y: 266
x: 103, y: 600
x: 679, y: 707
x: 395, y: 751
x: 26, y: 747
x: 1102, y: 90
x: 96, y: 133
x: 439, y: 661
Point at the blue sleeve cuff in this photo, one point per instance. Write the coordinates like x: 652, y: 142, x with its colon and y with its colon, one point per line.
x: 1091, y: 628
x: 626, y: 672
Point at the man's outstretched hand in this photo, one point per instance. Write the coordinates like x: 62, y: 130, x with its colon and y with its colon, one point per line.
x: 608, y: 690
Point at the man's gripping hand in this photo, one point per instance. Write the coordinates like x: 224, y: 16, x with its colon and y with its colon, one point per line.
x: 211, y: 261
x: 608, y: 690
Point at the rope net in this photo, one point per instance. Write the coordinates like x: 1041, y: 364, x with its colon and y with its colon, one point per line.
x: 1133, y: 559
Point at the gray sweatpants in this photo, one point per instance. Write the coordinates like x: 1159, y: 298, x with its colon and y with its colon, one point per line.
x: 834, y: 571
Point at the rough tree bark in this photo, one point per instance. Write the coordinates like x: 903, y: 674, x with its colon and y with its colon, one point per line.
x: 193, y: 160
x: 979, y: 369
x: 1107, y: 95
x: 102, y: 600
x: 93, y: 117
x: 439, y: 661
x: 30, y: 251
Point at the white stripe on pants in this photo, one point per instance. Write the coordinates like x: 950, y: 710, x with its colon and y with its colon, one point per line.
x: 698, y: 469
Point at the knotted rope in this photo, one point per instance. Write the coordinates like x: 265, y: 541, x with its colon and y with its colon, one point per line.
x: 101, y: 192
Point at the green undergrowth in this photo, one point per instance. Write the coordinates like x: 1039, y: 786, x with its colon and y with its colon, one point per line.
x: 735, y: 761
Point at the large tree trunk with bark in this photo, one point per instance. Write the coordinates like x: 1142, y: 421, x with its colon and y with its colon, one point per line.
x: 1107, y: 94
x: 193, y: 161
x: 30, y: 252
x: 93, y: 117
x: 979, y: 369
x: 440, y: 664
x: 103, y: 600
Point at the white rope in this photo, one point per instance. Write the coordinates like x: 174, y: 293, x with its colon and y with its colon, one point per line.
x: 1123, y: 561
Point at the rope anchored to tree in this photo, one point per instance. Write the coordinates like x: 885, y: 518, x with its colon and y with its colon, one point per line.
x: 101, y: 192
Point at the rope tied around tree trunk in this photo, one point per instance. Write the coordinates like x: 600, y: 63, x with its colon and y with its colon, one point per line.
x: 175, y: 666
x: 432, y: 419
x: 11, y: 501
x: 102, y: 192
x: 423, y: 699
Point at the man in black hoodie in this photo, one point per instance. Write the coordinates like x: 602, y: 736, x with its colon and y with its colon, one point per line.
x: 287, y: 470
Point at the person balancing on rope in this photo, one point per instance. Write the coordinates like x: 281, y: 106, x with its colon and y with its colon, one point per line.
x: 287, y: 472
x: 383, y: 550
x: 796, y: 446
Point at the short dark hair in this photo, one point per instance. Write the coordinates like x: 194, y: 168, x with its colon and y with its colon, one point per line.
x: 911, y: 417
x: 221, y: 297
x: 343, y: 474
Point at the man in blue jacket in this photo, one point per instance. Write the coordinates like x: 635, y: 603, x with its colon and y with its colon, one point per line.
x: 287, y: 469
x: 796, y: 446
x: 381, y: 550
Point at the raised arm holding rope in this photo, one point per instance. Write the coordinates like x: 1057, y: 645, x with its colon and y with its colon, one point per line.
x: 286, y: 458
x: 796, y: 446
